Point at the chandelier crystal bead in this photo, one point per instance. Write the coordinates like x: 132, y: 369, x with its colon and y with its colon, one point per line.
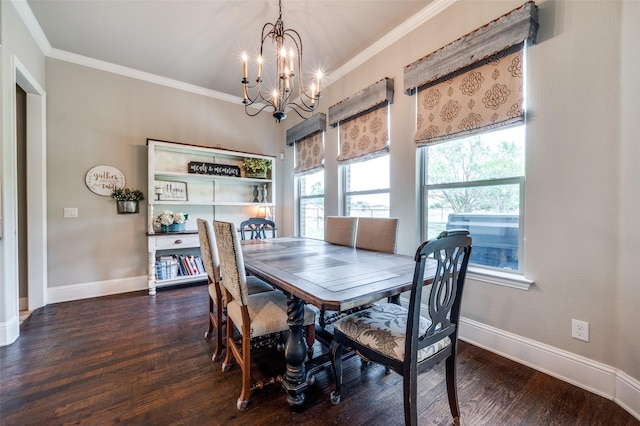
x: 288, y: 91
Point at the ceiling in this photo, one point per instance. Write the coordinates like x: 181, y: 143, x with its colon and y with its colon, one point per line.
x: 198, y: 44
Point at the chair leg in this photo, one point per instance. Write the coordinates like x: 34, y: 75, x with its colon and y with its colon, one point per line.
x: 336, y: 361
x: 310, y: 336
x: 228, y: 359
x: 207, y: 334
x: 243, y: 400
x: 322, y: 321
x: 219, y: 329
x: 452, y: 390
x: 409, y: 391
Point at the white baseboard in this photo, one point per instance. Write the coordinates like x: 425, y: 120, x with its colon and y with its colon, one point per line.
x: 67, y: 293
x: 593, y: 376
x: 9, y: 331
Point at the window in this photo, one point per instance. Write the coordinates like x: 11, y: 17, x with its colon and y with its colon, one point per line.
x: 477, y: 183
x: 367, y: 188
x: 311, y: 205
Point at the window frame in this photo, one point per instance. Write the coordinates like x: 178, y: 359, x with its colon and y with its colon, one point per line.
x: 484, y: 273
x: 346, y: 171
x: 301, y: 197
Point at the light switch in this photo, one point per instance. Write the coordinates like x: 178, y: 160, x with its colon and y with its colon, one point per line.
x: 70, y: 212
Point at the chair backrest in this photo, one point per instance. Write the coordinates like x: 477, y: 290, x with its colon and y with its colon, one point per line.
x: 209, y: 250
x: 258, y: 228
x: 377, y: 233
x: 451, y: 250
x: 340, y: 230
x: 231, y: 261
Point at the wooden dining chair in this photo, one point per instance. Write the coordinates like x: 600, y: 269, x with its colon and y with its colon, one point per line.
x: 340, y: 230
x: 257, y: 227
x: 377, y: 233
x: 406, y: 340
x: 217, y: 305
x: 253, y: 315
x: 372, y: 233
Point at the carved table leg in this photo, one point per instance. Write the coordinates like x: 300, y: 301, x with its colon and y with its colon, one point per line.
x: 295, y: 351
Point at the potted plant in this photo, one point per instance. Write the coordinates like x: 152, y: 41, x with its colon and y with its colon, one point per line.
x: 256, y: 167
x: 169, y: 221
x: 127, y: 199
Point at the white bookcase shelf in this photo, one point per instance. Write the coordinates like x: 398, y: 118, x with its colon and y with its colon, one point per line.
x: 209, y: 196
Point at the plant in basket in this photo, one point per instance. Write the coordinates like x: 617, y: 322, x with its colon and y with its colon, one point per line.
x: 256, y: 167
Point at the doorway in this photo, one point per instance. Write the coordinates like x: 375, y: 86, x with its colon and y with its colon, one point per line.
x: 21, y: 168
x: 32, y: 238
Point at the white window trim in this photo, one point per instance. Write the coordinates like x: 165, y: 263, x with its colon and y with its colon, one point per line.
x: 491, y: 276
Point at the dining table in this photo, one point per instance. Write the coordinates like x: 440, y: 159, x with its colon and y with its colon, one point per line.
x: 329, y: 276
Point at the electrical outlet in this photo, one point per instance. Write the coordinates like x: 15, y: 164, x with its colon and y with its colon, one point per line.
x: 580, y: 330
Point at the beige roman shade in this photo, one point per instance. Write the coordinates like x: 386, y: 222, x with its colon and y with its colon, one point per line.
x: 476, y: 82
x: 364, y: 122
x: 480, y: 99
x: 309, y: 154
x: 308, y: 139
x: 365, y: 137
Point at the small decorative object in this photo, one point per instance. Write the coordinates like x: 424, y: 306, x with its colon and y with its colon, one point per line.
x: 127, y: 199
x: 264, y: 193
x: 256, y: 167
x: 159, y: 189
x: 104, y: 179
x: 213, y: 169
x: 169, y: 221
x: 171, y: 191
x: 255, y: 194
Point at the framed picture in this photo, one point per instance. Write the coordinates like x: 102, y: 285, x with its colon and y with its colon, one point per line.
x: 171, y: 191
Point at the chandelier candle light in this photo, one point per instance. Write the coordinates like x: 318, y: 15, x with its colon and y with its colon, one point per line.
x: 288, y: 92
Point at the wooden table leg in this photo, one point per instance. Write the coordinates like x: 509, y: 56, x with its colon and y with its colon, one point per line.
x: 295, y: 351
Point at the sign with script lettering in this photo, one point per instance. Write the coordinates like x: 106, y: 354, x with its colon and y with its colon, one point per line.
x: 213, y: 169
x: 104, y: 179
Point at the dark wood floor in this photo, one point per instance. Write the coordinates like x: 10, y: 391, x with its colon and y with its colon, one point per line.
x: 137, y: 359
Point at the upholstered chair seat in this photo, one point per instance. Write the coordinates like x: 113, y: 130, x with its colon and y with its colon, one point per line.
x: 383, y: 328
x: 267, y: 311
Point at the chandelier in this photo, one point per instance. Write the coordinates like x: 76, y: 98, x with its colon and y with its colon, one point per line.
x: 287, y: 92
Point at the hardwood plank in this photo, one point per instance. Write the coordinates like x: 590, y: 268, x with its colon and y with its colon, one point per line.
x: 138, y: 359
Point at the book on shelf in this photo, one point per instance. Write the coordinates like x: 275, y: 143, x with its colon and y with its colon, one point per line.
x: 201, y: 269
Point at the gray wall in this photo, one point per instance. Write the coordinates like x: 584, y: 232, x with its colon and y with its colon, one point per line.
x: 95, y: 117
x: 582, y: 203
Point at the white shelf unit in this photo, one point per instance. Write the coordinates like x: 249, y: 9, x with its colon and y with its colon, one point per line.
x: 211, y: 197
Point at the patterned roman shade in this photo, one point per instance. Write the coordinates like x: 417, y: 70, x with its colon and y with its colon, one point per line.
x: 308, y: 139
x: 309, y: 154
x: 364, y: 122
x: 480, y: 99
x: 365, y: 137
x: 476, y: 82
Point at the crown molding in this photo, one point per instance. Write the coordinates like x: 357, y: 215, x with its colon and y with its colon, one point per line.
x: 433, y: 9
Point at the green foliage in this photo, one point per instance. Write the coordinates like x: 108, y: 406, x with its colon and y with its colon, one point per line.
x: 469, y: 160
x: 125, y: 194
x: 256, y: 165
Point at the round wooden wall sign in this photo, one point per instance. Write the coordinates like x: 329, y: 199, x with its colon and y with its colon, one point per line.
x: 104, y: 179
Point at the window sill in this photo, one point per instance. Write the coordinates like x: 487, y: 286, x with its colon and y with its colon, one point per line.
x: 507, y: 279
